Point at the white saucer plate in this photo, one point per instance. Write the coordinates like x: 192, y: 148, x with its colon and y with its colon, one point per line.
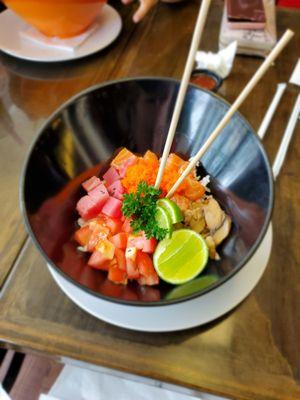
x: 188, y: 314
x: 13, y: 44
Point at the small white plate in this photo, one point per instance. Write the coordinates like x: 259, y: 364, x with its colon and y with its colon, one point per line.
x: 12, y: 43
x: 178, y: 316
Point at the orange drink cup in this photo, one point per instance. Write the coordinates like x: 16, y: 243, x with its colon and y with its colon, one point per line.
x: 61, y: 18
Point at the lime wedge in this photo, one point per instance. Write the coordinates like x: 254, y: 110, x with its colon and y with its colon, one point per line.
x: 181, y: 258
x: 163, y: 220
x: 172, y: 208
x: 192, y: 287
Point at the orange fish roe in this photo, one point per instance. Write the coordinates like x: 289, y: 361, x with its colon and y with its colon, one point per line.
x: 142, y: 170
x: 146, y: 168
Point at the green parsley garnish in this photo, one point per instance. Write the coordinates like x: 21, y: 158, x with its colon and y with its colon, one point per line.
x: 141, y: 207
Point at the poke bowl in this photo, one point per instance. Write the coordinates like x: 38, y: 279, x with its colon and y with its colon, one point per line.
x: 81, y: 140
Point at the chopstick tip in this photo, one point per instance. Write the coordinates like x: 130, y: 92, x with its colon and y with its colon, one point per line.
x: 289, y: 33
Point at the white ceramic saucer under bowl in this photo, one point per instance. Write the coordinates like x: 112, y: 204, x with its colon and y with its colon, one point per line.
x: 12, y: 42
x: 184, y: 315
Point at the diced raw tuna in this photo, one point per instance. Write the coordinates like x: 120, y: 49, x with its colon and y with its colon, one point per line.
x: 120, y: 240
x: 113, y: 224
x: 106, y: 247
x: 142, y: 243
x: 117, y: 275
x: 91, y: 183
x: 127, y: 225
x: 121, y: 260
x: 88, y: 208
x: 99, y: 261
x: 146, y: 269
x: 99, y: 232
x: 149, y: 245
x: 132, y: 270
x: 99, y: 194
x: 131, y: 264
x: 131, y: 253
x: 111, y: 175
x: 112, y: 208
x: 82, y: 235
x: 136, y: 241
x: 116, y: 190
x: 145, y: 264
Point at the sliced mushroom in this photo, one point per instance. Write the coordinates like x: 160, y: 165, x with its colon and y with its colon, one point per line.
x: 195, y: 212
x: 222, y: 232
x: 179, y: 225
x: 212, y: 248
x: 214, y: 215
x: 197, y: 225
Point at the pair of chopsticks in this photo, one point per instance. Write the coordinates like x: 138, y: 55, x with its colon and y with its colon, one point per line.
x: 183, y: 88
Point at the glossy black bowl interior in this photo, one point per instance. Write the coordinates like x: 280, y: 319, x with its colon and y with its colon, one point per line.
x: 81, y: 137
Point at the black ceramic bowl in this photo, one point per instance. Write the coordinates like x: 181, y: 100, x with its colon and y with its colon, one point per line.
x: 78, y: 141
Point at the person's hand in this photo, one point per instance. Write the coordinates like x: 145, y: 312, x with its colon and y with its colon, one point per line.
x: 144, y: 7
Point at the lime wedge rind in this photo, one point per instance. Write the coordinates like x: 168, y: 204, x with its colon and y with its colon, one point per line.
x: 167, y: 256
x: 187, y: 256
x: 172, y: 208
x: 163, y: 220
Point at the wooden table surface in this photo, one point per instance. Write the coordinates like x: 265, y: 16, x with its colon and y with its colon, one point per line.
x: 254, y: 352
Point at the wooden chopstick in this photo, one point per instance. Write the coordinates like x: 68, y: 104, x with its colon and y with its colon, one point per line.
x: 245, y: 92
x: 271, y: 110
x: 285, y: 142
x: 183, y: 86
